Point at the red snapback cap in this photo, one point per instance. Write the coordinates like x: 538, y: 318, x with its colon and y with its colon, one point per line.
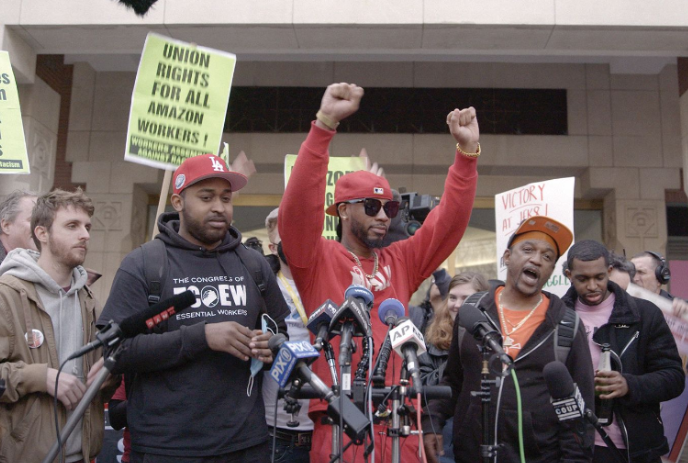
x: 359, y: 185
x: 202, y: 167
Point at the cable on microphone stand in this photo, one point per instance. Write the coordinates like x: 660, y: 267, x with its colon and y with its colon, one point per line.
x: 519, y: 408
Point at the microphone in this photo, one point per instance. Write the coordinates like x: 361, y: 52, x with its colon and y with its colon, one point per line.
x: 141, y: 7
x: 569, y: 405
x: 138, y: 323
x: 389, y: 311
x: 319, y: 322
x: 356, y: 308
x: 566, y: 397
x: 408, y: 342
x: 475, y: 322
x: 290, y: 361
x: 351, y: 319
x: 291, y: 356
x: 156, y: 314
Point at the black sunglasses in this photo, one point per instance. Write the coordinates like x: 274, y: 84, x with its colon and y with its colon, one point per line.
x: 372, y: 206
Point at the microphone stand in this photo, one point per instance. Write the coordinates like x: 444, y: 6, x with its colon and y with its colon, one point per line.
x: 592, y: 419
x: 345, y: 350
x: 488, y: 452
x: 86, y: 400
x: 329, y: 356
x: 397, y: 396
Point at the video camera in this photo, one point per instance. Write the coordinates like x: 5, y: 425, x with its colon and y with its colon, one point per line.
x: 414, y: 208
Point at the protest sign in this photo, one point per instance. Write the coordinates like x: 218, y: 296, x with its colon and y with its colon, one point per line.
x: 551, y: 198
x: 13, y: 156
x: 336, y: 167
x: 179, y: 103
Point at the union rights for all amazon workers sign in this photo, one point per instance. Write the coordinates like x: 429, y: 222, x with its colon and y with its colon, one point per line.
x: 179, y: 103
x: 13, y: 156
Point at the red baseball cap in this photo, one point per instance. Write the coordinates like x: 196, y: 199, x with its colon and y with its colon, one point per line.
x: 198, y: 168
x: 359, y: 185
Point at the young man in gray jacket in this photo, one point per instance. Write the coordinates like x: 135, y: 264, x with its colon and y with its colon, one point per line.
x: 46, y: 313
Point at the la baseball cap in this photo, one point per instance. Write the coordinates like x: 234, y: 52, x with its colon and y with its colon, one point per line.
x: 359, y: 185
x: 557, y: 231
x: 202, y: 167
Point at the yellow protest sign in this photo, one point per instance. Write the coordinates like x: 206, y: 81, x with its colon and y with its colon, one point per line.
x: 179, y: 103
x: 336, y: 167
x: 13, y: 156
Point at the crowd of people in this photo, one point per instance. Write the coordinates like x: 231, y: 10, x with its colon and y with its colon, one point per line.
x: 195, y: 387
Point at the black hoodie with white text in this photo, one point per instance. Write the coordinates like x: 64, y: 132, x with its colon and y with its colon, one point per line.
x: 185, y: 399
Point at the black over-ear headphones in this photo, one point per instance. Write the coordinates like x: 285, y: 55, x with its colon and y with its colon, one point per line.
x: 662, y: 272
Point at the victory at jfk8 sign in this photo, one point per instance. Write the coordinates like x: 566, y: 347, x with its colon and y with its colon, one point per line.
x: 551, y: 198
x: 179, y: 103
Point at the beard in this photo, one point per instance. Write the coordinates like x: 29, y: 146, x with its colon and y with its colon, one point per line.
x: 65, y: 254
x: 204, y: 234
x: 359, y: 231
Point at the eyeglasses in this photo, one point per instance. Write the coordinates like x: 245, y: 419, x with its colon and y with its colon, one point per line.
x: 372, y: 206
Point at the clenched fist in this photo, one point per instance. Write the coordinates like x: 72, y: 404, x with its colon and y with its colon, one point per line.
x: 339, y: 102
x: 463, y: 125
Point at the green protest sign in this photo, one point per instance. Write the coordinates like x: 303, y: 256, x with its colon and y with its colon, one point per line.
x: 336, y: 167
x: 179, y: 103
x: 13, y: 156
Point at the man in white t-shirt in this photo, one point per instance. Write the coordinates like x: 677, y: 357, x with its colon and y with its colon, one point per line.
x: 293, y: 439
x: 646, y: 366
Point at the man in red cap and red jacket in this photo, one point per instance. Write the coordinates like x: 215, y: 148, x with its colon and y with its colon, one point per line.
x: 363, y: 202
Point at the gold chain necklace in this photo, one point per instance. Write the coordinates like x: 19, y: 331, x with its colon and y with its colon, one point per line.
x: 358, y: 262
x: 522, y: 322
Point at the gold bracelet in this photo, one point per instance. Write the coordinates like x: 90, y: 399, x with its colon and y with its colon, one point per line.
x: 470, y: 155
x: 327, y: 122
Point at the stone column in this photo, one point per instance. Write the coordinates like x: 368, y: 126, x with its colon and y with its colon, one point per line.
x: 683, y: 102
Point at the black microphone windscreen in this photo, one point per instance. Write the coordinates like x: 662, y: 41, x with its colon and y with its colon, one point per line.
x: 469, y: 317
x: 136, y: 324
x: 141, y: 7
x: 558, y: 379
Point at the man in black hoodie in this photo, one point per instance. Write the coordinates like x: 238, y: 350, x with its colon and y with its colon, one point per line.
x: 191, y: 397
x: 527, y: 319
x: 648, y: 369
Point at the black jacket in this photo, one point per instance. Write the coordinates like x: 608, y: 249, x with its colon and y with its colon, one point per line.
x: 432, y: 364
x: 185, y: 399
x: 546, y: 440
x: 639, y: 335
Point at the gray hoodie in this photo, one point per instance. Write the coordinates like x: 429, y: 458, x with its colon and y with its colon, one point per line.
x: 65, y: 314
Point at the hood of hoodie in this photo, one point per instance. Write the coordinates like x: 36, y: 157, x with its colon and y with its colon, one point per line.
x: 23, y: 264
x: 168, y: 224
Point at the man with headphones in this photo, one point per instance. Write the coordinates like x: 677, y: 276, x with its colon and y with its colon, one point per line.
x: 651, y: 273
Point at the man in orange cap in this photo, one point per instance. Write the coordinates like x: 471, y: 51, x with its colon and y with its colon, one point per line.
x: 324, y: 269
x: 528, y: 319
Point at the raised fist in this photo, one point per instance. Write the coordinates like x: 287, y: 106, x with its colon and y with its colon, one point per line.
x: 340, y: 101
x: 463, y: 125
